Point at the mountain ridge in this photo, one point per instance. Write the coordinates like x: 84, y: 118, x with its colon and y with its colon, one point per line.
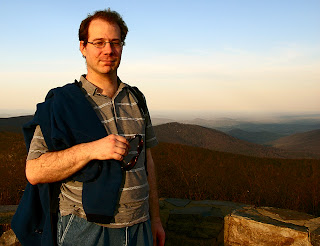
x: 259, y: 137
x: 199, y: 136
x: 14, y: 124
x: 305, y: 141
x: 207, y: 137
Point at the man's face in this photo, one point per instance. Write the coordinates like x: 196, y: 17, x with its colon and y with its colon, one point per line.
x: 106, y: 60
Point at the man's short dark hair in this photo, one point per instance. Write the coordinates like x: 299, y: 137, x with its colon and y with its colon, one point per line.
x: 107, y: 15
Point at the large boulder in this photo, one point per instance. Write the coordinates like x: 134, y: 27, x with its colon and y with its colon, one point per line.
x: 8, y: 238
x: 271, y: 226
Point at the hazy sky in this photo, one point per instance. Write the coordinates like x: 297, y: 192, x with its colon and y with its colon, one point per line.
x: 209, y: 55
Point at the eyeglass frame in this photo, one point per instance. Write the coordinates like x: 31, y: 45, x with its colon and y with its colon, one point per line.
x: 112, y: 43
x: 134, y: 159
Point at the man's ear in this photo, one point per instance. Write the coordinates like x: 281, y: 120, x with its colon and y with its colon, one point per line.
x: 83, y: 49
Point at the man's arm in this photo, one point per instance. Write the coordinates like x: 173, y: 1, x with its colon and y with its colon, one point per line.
x: 156, y: 226
x: 59, y: 165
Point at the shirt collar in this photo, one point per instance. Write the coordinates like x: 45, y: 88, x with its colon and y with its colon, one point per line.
x: 91, y: 89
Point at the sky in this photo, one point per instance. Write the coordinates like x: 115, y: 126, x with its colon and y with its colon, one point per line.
x: 245, y: 56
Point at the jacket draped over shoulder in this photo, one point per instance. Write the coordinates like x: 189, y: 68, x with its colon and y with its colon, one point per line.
x: 66, y: 119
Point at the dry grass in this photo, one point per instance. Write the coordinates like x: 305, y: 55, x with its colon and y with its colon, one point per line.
x: 195, y: 173
x: 12, y: 165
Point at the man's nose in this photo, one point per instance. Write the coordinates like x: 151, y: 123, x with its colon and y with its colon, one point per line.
x: 108, y: 48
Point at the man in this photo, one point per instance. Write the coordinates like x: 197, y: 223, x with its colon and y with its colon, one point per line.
x: 98, y: 202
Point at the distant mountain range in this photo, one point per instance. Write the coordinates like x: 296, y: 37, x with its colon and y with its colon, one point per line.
x: 300, y: 142
x: 207, y: 138
x: 261, y: 137
x: 237, y: 141
x: 284, y: 126
x: 14, y: 124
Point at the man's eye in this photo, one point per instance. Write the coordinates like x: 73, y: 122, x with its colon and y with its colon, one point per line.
x: 116, y: 43
x: 99, y: 43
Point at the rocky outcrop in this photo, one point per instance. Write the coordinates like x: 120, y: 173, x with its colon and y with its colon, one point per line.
x: 270, y: 226
x: 218, y: 223
x: 189, y: 222
x: 8, y: 238
x: 226, y: 223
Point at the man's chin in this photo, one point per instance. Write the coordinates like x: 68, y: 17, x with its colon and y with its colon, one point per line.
x: 108, y: 71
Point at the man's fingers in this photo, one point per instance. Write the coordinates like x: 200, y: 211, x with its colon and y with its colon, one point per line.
x: 122, y: 140
x: 117, y: 157
x: 111, y: 147
x: 121, y: 151
x: 121, y: 145
x: 161, y: 241
x: 121, y: 148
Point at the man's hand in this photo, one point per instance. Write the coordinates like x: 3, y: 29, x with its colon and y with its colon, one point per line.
x: 158, y: 233
x: 110, y: 147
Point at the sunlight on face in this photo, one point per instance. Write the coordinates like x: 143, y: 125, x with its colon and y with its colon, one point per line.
x: 105, y: 60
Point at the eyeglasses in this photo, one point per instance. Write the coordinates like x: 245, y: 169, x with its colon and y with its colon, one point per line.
x: 102, y: 44
x: 133, y: 161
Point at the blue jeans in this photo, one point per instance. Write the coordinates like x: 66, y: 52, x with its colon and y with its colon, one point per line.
x: 73, y: 230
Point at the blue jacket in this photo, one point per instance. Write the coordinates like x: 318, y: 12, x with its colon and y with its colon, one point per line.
x: 66, y: 119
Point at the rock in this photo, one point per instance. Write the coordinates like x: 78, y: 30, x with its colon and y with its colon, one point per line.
x: 6, y: 213
x: 194, y: 222
x: 315, y: 236
x: 8, y: 238
x: 178, y: 202
x: 220, y: 223
x: 267, y: 226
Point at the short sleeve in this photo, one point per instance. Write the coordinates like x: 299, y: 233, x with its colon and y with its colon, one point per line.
x: 38, y: 145
x: 151, y: 139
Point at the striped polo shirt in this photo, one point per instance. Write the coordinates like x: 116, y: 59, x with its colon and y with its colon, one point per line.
x: 120, y: 115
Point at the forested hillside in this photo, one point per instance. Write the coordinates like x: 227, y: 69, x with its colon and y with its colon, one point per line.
x: 197, y: 173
